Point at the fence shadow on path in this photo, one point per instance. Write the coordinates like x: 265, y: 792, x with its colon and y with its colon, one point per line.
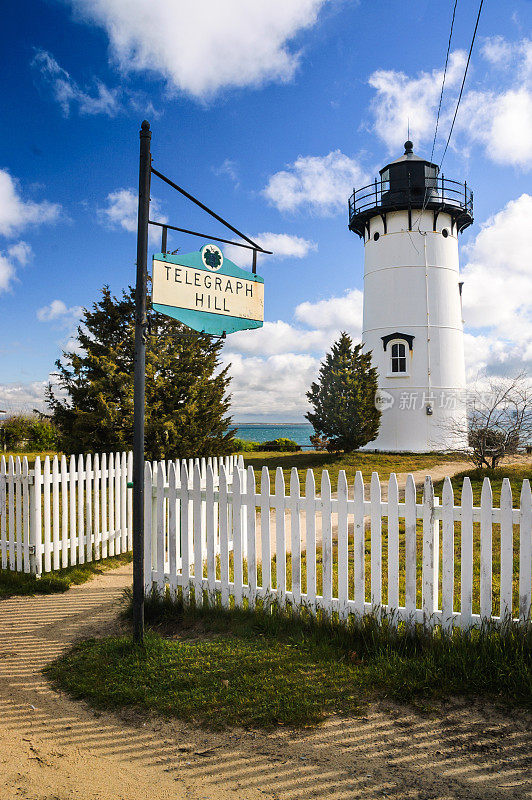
x: 462, y: 751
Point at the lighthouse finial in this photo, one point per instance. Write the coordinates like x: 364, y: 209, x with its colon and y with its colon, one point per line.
x: 409, y: 147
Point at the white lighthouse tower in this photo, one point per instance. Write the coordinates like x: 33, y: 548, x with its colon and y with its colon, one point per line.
x: 409, y: 220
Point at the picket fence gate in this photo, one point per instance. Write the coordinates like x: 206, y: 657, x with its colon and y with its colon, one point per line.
x: 336, y: 543
x: 68, y: 511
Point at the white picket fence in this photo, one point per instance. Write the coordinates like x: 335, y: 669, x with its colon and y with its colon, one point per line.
x: 69, y: 511
x: 328, y: 552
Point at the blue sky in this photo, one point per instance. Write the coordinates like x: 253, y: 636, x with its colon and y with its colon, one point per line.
x: 270, y: 111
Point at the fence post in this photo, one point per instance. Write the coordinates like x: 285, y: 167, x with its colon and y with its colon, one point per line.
x: 251, y: 540
x: 238, y: 491
x: 295, y: 537
x: 280, y: 540
x: 310, y: 538
x: 343, y: 553
x: 359, y: 545
x: 159, y: 527
x: 466, y: 555
x: 525, y: 553
x: 265, y: 533
x: 447, y: 581
x: 486, y: 548
x: 506, y: 551
x: 26, y: 512
x: 18, y: 512
x: 326, y: 535
x: 436, y: 538
x: 224, y: 537
x: 410, y: 550
x: 393, y: 547
x: 427, y: 594
x: 35, y: 521
x: 3, y: 511
x: 376, y: 542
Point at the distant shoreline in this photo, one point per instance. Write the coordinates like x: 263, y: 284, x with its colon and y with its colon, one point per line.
x: 299, y: 432
x: 267, y: 424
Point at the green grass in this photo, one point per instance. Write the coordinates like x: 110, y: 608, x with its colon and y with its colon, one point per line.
x: 516, y: 474
x: 236, y: 668
x: 30, y: 456
x: 22, y: 583
x: 383, y: 463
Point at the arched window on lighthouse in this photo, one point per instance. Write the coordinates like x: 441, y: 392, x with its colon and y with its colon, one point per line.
x: 395, y: 346
x: 398, y: 358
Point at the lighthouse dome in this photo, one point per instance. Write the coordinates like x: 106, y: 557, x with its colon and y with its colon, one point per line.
x: 410, y: 182
x: 408, y: 179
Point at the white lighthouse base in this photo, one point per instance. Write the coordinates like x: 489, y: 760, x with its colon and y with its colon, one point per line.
x: 407, y: 427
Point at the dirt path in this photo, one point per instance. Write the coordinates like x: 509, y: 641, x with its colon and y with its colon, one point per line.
x: 54, y: 749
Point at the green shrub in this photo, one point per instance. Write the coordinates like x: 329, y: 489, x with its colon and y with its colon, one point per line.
x: 43, y: 435
x: 28, y: 432
x: 15, y: 431
x: 282, y: 445
x: 243, y: 446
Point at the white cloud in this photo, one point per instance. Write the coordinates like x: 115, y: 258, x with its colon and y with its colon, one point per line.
x: 17, y: 254
x: 7, y: 272
x: 282, y: 245
x: 204, y: 46
x: 502, y: 122
x: 401, y: 101
x: 274, y: 386
x: 58, y: 311
x: 275, y: 338
x: 21, y: 252
x: 496, y: 114
x: 498, y: 288
x: 67, y: 92
x: 15, y: 397
x: 122, y: 209
x: 321, y: 183
x: 497, y: 50
x: 500, y: 118
x: 16, y: 213
x: 229, y: 169
x: 335, y: 313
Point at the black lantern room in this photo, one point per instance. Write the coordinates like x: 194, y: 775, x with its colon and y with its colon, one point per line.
x: 408, y: 183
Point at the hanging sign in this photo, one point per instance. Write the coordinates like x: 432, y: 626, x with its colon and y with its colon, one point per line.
x: 207, y: 292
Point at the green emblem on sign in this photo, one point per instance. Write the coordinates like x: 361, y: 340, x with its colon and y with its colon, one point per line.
x: 212, y: 257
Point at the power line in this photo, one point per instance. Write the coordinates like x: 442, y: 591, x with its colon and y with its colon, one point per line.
x: 443, y: 81
x: 463, y: 81
x: 427, y: 193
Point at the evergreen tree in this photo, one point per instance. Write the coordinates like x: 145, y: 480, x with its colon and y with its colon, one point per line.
x: 186, y: 391
x: 344, y: 397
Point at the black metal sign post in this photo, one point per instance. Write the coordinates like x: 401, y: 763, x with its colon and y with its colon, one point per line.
x: 139, y: 386
x: 141, y: 333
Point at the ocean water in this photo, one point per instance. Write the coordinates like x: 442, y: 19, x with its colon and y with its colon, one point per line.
x: 299, y: 432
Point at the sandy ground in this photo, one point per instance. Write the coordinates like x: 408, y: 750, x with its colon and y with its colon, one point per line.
x: 52, y: 748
